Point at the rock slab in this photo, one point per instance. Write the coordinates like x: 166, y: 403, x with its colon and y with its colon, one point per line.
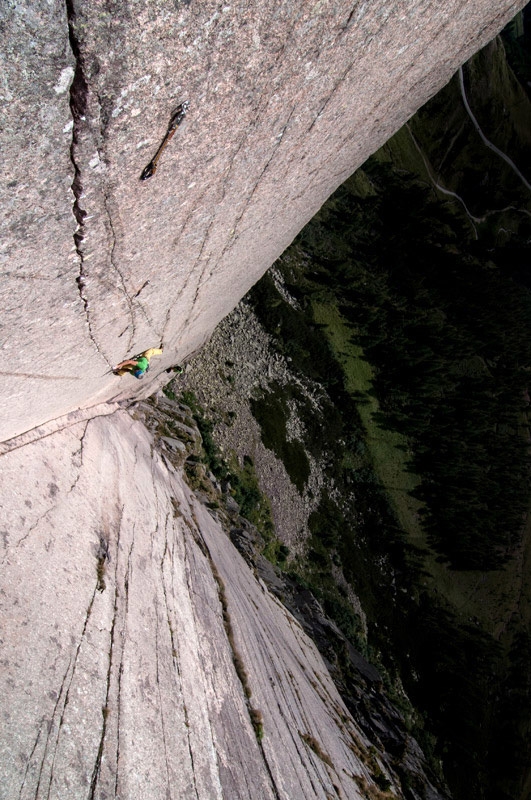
x: 125, y: 609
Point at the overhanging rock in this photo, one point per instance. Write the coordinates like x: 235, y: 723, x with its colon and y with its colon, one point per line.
x: 285, y: 101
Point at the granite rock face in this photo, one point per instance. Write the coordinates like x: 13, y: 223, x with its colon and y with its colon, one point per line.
x: 126, y: 613
x: 285, y: 101
x: 141, y: 658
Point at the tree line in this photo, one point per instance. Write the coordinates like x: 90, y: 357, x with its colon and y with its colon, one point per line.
x: 445, y: 326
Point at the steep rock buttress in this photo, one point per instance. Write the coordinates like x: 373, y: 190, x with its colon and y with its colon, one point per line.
x: 285, y: 101
x: 141, y: 658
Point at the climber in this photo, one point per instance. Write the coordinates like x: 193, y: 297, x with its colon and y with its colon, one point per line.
x: 139, y: 365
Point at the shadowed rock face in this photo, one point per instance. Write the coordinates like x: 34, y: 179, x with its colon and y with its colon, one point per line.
x: 285, y: 101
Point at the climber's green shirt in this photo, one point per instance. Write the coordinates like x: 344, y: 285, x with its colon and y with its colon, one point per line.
x: 142, y: 363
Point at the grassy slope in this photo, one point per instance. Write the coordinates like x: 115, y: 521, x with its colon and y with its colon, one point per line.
x: 386, y: 447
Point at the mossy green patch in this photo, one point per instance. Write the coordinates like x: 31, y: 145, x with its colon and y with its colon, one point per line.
x: 388, y: 448
x: 211, y: 454
x: 271, y: 413
x: 254, y: 504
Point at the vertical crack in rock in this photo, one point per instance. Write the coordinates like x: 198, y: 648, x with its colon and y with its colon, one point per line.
x: 79, y: 454
x: 200, y: 281
x: 168, y: 553
x: 198, y: 204
x: 105, y: 709
x: 234, y: 238
x: 121, y: 666
x: 66, y: 686
x: 165, y: 326
x: 47, y: 725
x: 255, y: 715
x: 331, y: 94
x: 112, y: 659
x: 202, y: 271
x: 131, y: 304
x: 78, y: 106
x: 169, y: 793
x: 190, y: 273
x: 358, y: 11
x: 114, y: 266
